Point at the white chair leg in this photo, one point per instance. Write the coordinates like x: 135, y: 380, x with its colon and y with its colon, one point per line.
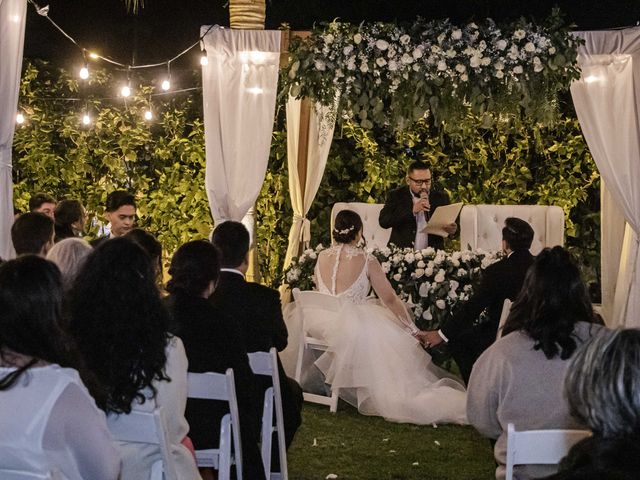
x: 333, y: 407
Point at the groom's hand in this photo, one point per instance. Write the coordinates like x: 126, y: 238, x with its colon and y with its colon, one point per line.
x: 429, y: 338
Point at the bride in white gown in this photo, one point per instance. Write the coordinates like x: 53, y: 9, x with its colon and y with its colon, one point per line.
x: 373, y: 357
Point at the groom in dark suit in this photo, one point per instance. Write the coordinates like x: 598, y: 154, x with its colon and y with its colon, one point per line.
x: 258, y: 311
x: 466, y: 339
x: 409, y: 208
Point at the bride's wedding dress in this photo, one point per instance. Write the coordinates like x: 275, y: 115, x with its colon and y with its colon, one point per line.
x: 372, y: 357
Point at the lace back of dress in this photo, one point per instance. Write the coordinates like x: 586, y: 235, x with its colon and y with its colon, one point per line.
x: 334, y: 272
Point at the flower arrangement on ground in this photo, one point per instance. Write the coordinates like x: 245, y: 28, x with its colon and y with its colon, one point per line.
x: 432, y: 283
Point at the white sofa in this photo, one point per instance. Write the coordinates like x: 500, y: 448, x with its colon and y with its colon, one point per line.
x: 374, y: 234
x: 481, y: 225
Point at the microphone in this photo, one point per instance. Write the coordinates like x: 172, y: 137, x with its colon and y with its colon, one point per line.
x: 424, y: 195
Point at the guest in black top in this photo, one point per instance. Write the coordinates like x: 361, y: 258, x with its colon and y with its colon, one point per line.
x: 70, y: 218
x: 258, y: 313
x: 602, y: 386
x: 411, y: 206
x: 213, y: 343
x: 467, y: 339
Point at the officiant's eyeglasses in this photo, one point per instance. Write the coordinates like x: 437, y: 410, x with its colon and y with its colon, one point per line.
x: 420, y: 182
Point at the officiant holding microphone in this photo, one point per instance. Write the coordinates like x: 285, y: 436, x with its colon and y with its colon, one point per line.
x: 409, y: 208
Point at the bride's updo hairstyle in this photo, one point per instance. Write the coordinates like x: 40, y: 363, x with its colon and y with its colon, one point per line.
x: 346, y: 226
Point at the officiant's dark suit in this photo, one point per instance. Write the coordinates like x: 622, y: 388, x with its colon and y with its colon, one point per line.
x: 398, y: 215
x: 258, y: 313
x: 467, y: 340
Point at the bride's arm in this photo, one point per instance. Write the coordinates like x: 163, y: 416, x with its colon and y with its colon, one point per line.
x: 387, y: 294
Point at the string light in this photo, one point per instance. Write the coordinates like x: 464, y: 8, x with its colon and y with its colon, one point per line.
x: 86, y: 119
x: 204, y: 60
x: 84, y: 72
x: 166, y: 83
x: 148, y: 115
x: 20, y: 118
x: 94, y: 56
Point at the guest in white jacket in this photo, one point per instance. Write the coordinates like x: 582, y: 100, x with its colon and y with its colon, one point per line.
x: 121, y: 328
x: 49, y: 423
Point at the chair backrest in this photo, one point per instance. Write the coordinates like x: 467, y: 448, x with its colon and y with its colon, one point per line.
x: 266, y: 363
x: 23, y: 475
x: 481, y: 225
x: 539, y: 447
x: 150, y: 428
x: 218, y: 386
x: 506, y: 308
x: 314, y: 308
x: 374, y: 234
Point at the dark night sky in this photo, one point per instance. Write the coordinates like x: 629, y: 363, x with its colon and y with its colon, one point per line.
x: 165, y: 27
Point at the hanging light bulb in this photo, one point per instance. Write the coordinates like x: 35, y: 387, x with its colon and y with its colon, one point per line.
x: 93, y: 55
x: 84, y: 72
x: 86, y: 119
x: 148, y: 114
x: 19, y: 118
x: 166, y: 84
x: 125, y: 91
x: 204, y: 60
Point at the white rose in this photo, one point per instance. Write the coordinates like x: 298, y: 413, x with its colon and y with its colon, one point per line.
x: 451, y: 53
x: 381, y: 62
x: 329, y: 38
x: 420, y: 263
x: 455, y: 262
x: 456, y: 34
x: 468, y: 288
x: 460, y: 68
x: 519, y: 34
x: 499, y: 74
x: 529, y: 47
x: 351, y: 63
x: 552, y: 50
x: 393, y: 65
x: 486, y: 61
x: 417, y: 53
x: 428, y: 251
x: 320, y: 65
x: 473, y: 25
x: 464, y: 77
x: 501, y: 44
x: 423, y: 291
x: 441, y: 38
x: 475, y: 61
x: 427, y: 315
x: 499, y: 65
x: 364, y: 68
x: 409, y: 258
x: 517, y: 69
x: 386, y: 267
x: 397, y: 277
x: 461, y: 272
x: 419, y: 272
x: 453, y: 284
x: 357, y: 38
x: 406, y: 59
x: 439, y: 278
x: 404, y: 39
x: 442, y: 65
x: 452, y: 294
x: 418, y: 256
x: 482, y: 45
x: 440, y: 304
x: 313, y: 255
x: 415, y: 68
x: 428, y: 271
x: 382, y: 44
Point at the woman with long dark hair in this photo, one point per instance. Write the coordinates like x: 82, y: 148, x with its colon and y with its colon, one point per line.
x: 519, y: 379
x: 121, y: 326
x: 70, y: 218
x: 48, y: 420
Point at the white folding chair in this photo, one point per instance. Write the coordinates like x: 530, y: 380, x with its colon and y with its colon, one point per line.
x: 318, y: 304
x: 266, y: 363
x: 218, y: 386
x: 24, y: 475
x: 539, y: 447
x: 150, y: 428
x: 506, y: 308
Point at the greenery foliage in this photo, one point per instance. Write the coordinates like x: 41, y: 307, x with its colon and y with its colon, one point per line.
x: 386, y: 74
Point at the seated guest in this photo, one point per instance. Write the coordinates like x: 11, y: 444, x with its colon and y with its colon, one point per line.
x: 602, y: 388
x: 69, y: 255
x: 465, y: 337
x: 120, y: 327
x: 70, y: 218
x: 213, y: 343
x: 43, y: 203
x: 120, y: 212
x: 32, y: 233
x: 48, y: 420
x: 519, y: 379
x: 258, y: 313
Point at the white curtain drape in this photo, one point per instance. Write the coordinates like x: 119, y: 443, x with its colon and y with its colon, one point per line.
x: 321, y: 126
x: 608, y: 109
x: 239, y: 87
x: 12, y: 21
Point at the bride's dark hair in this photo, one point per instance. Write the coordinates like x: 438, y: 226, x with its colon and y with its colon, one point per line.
x: 346, y: 226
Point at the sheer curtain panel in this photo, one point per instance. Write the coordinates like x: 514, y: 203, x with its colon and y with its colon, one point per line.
x: 608, y: 109
x: 239, y: 87
x: 12, y: 21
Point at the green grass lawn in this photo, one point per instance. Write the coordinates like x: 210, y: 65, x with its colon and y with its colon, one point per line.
x: 354, y: 446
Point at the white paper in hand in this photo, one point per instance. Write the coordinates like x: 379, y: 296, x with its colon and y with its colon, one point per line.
x: 441, y: 217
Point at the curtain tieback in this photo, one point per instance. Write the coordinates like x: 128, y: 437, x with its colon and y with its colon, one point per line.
x: 305, y: 227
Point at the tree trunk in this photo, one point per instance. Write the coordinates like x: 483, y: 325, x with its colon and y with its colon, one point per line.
x: 247, y: 14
